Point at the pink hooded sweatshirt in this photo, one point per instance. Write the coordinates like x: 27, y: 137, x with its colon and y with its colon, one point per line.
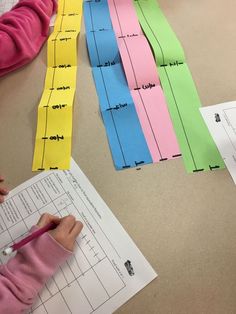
x: 25, y: 274
x: 23, y: 30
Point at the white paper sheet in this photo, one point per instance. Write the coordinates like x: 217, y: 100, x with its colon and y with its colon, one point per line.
x: 107, y: 268
x: 221, y: 122
x: 6, y: 5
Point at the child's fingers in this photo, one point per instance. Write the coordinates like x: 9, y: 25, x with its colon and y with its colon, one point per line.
x: 1, y: 199
x: 76, y: 229
x: 67, y: 231
x: 46, y: 219
x: 3, y: 191
x: 66, y: 225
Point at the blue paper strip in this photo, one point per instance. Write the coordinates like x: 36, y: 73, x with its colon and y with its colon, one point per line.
x: 97, y: 16
x: 102, y: 48
x: 124, y: 132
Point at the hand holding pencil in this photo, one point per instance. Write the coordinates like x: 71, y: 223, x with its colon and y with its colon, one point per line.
x: 67, y: 230
x: 64, y: 230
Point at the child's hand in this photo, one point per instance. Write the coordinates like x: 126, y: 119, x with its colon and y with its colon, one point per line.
x: 3, y: 191
x: 67, y: 230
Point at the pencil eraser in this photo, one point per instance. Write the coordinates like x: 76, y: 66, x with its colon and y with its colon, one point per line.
x: 7, y: 251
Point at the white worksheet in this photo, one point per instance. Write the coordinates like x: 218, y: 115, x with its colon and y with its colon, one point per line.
x: 107, y: 268
x: 221, y: 122
x: 6, y: 5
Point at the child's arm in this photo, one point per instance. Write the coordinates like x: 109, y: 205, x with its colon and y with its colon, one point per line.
x: 25, y: 274
x: 23, y: 30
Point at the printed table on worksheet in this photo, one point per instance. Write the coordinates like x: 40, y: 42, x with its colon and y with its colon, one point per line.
x: 99, y: 276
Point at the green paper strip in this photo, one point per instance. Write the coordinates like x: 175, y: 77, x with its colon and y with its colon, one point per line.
x: 197, y: 146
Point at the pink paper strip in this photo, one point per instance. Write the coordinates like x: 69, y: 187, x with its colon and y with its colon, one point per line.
x: 122, y: 10
x: 156, y: 123
x: 143, y: 81
x: 139, y: 65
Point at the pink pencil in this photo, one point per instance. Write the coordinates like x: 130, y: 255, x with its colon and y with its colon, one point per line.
x: 32, y: 236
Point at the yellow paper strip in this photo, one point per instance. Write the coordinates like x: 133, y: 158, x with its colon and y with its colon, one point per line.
x: 54, y: 127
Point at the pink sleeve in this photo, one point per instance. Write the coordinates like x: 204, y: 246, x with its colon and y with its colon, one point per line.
x: 23, y: 30
x: 25, y: 274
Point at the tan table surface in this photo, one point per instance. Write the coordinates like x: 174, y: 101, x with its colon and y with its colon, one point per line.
x: 185, y: 224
